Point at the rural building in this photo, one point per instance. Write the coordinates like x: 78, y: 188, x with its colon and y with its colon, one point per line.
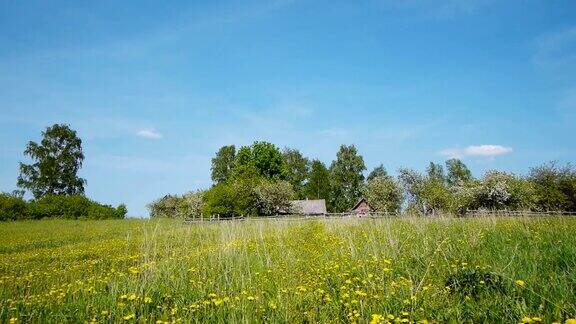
x: 362, y: 207
x: 309, y: 207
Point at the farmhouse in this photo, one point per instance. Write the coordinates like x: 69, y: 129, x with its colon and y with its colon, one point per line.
x: 361, y: 207
x: 309, y: 207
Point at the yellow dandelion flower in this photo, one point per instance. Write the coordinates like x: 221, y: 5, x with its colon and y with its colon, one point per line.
x: 376, y: 318
x: 570, y: 321
x: 129, y: 317
x: 520, y: 283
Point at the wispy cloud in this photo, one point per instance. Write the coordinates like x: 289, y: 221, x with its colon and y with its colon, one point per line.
x: 486, y: 150
x: 556, y: 50
x: 149, y: 133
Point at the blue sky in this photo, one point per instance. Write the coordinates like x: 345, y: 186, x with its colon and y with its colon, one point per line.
x: 154, y: 88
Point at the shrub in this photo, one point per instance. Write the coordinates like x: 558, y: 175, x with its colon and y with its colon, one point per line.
x: 72, y: 207
x: 186, y: 206
x: 12, y: 207
x: 274, y: 197
x: 384, y: 194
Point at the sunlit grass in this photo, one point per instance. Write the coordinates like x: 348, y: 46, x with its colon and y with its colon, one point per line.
x: 347, y: 270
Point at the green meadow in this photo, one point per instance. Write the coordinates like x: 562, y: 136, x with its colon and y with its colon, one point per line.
x: 290, y: 271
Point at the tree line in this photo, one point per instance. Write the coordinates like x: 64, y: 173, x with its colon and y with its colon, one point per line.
x: 261, y: 179
x: 52, y: 179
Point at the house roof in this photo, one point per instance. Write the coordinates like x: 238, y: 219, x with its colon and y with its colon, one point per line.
x: 359, y: 202
x: 309, y: 207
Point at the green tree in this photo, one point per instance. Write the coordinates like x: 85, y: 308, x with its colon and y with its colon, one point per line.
x: 501, y: 190
x: 318, y: 186
x: 458, y: 172
x: 383, y: 194
x: 274, y: 197
x: 223, y: 163
x: 56, y: 161
x: 297, y: 168
x: 435, y: 196
x: 378, y: 171
x: 436, y: 171
x: 346, y: 178
x: 12, y: 207
x: 554, y: 187
x: 412, y: 183
x: 265, y: 157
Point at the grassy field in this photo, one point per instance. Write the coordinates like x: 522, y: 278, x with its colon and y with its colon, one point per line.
x: 348, y: 270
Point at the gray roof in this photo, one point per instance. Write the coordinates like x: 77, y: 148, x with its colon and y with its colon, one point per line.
x: 309, y: 207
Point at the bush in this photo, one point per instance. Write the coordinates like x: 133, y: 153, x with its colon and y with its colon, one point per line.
x: 72, y: 207
x: 274, y: 197
x: 188, y: 205
x: 384, y: 194
x: 11, y: 207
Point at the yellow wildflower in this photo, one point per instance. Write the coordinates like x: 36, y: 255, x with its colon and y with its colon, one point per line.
x: 129, y: 317
x: 520, y: 283
x: 376, y: 318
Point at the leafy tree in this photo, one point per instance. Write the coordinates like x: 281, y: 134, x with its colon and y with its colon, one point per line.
x: 297, y: 168
x: 235, y: 197
x: 223, y: 163
x: 57, y: 160
x: 219, y: 200
x: 165, y: 207
x: 274, y: 197
x: 436, y: 171
x: 384, y: 194
x: 12, y: 207
x: 318, y: 186
x: 265, y: 157
x: 435, y: 196
x: 378, y: 171
x: 501, y: 190
x: 346, y: 178
x: 191, y: 205
x: 458, y: 172
x: 412, y: 182
x: 554, y: 186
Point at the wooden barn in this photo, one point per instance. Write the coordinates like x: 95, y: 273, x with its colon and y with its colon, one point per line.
x: 361, y: 207
x: 309, y: 207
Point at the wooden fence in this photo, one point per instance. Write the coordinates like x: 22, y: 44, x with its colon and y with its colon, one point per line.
x: 376, y: 215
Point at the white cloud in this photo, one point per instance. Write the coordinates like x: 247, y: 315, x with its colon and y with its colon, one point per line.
x: 149, y: 133
x: 476, y: 150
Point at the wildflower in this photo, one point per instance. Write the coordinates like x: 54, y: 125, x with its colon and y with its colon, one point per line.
x: 132, y: 297
x: 147, y: 300
x: 520, y: 283
x: 376, y: 318
x: 13, y: 320
x: 129, y: 317
x: 570, y: 321
x: 250, y: 298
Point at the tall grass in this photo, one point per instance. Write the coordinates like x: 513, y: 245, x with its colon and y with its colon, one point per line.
x: 347, y: 270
